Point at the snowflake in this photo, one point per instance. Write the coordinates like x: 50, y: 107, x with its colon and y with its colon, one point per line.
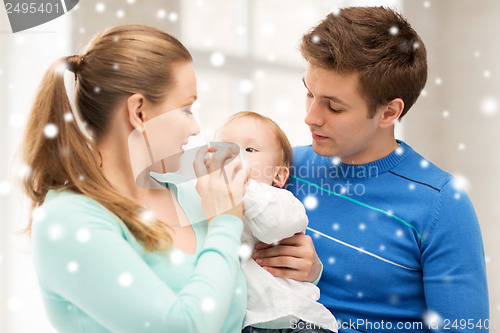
x: 4, y: 187
x: 331, y: 260
x: 38, y: 214
x: 438, y: 81
x: 125, y: 279
x: 82, y: 30
x: 147, y: 324
x: 130, y: 2
x: 83, y: 235
x: 336, y: 11
x: 336, y: 226
x: 177, y: 257
x: 427, y: 4
x: 100, y: 7
x: 416, y: 45
x: 217, y: 59
x: 50, y: 131
x: 348, y: 277
x: 362, y: 226
x: 424, y: 163
x: 120, y: 13
x: 161, y: 13
x: 399, y: 151
x: 55, y: 232
x: 411, y: 186
x: 310, y: 202
x: 61, y: 69
x: 382, y: 247
x: 423, y: 93
x: 68, y: 116
x: 461, y: 146
x: 432, y: 319
x: 207, y: 305
x: 268, y: 29
x: 394, y: 30
x: 72, y: 267
x: 445, y: 114
x: 460, y: 183
x: 173, y: 16
x: 477, y: 54
x: 486, y: 74
x: 271, y: 57
x: 116, y: 66
x: 245, y: 86
x: 147, y: 215
x: 360, y: 294
x: 241, y: 30
x: 238, y: 291
x: 489, y: 106
x: 16, y: 120
x: 335, y: 161
x: 315, y: 39
x: 399, y: 233
x: 244, y: 251
x: 14, y: 303
x: 97, y: 90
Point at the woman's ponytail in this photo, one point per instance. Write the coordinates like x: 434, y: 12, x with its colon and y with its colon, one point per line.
x: 60, y: 156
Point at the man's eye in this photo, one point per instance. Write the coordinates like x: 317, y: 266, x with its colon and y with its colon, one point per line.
x: 250, y: 150
x: 334, y: 110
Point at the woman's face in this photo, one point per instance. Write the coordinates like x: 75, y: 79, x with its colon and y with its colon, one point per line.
x: 169, y: 124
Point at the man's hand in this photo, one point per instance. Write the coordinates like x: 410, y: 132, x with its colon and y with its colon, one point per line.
x: 294, y: 258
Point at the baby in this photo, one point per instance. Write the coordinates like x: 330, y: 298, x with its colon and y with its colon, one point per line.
x: 271, y: 214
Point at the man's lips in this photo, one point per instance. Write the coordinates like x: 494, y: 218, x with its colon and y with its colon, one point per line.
x: 318, y: 137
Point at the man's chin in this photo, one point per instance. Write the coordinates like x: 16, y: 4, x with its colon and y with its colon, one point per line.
x: 323, y: 150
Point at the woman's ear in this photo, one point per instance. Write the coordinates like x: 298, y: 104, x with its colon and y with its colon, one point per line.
x: 391, y: 112
x: 135, y: 109
x: 281, y: 176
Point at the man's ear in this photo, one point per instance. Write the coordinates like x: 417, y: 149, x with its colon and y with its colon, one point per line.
x: 135, y: 109
x: 391, y: 112
x: 281, y: 176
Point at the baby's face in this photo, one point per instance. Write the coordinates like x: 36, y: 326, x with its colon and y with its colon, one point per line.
x: 260, y: 144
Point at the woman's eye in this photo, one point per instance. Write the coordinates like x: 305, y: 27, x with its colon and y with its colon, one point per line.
x: 250, y: 150
x: 309, y: 95
x: 187, y: 109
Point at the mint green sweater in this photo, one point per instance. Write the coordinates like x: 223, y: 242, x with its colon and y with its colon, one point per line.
x: 95, y: 276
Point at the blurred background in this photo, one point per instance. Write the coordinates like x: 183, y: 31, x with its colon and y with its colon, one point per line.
x: 246, y: 58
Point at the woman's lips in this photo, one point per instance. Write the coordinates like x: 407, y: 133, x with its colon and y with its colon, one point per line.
x: 318, y: 137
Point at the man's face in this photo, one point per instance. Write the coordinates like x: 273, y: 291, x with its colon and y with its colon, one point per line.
x: 338, y: 117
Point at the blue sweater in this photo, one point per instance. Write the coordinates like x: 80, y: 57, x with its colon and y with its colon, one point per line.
x: 399, y: 240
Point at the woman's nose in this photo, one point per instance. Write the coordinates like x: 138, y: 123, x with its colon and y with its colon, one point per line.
x: 195, y: 128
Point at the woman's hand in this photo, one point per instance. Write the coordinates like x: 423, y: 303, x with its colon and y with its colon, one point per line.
x: 221, y: 179
x: 294, y: 258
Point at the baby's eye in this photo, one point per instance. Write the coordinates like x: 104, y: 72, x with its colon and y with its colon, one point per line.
x: 250, y: 150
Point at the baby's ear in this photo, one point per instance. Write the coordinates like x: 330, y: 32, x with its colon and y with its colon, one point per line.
x: 281, y: 176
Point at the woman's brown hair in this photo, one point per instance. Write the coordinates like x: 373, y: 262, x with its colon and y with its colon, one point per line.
x: 117, y: 63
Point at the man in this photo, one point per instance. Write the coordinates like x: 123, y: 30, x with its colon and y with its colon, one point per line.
x: 399, y: 240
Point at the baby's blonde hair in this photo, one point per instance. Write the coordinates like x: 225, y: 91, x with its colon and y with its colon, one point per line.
x: 286, y: 158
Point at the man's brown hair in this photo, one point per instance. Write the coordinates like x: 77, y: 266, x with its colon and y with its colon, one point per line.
x: 376, y: 42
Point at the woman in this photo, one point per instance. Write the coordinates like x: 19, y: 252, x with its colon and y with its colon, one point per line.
x: 103, y: 265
